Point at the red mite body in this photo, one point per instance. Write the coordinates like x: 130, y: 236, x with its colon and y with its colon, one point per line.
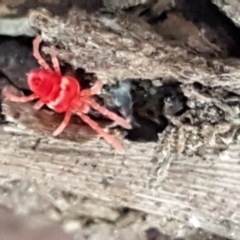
x: 52, y: 89
x: 64, y: 95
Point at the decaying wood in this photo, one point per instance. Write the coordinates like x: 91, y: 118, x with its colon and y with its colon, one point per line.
x: 188, y: 178
x: 89, y: 43
x: 149, y: 178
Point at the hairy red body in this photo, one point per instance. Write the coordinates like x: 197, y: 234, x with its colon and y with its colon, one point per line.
x: 54, y: 90
x: 64, y: 95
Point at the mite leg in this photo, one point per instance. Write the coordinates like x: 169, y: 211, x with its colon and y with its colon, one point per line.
x: 119, y: 120
x: 14, y: 98
x: 93, y: 90
x: 36, y: 53
x: 55, y: 61
x: 39, y: 104
x: 63, y: 124
x: 108, y: 138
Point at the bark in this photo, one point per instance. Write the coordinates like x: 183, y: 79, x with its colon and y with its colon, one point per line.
x: 140, y: 53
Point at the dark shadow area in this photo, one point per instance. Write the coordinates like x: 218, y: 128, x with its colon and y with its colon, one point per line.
x: 218, y: 27
x: 16, y: 60
x: 195, y: 20
x: 147, y: 106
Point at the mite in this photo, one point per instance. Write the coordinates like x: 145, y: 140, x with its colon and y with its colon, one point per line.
x: 63, y: 94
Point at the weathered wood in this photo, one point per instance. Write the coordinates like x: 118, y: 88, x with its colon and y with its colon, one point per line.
x: 127, y: 47
x: 149, y: 177
x: 189, y: 176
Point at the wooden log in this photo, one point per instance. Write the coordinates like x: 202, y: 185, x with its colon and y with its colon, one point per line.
x: 151, y: 178
x: 189, y: 176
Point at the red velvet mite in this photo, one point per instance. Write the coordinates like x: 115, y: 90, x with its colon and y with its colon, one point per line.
x: 63, y: 94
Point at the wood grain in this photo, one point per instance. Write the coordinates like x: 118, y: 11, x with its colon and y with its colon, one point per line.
x: 148, y: 178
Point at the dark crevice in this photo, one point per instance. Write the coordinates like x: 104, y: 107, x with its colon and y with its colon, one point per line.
x: 151, y: 106
x: 207, y: 15
x: 211, y: 22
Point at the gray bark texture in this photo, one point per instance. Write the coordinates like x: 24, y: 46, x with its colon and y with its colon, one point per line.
x: 173, y: 191
x: 187, y: 180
